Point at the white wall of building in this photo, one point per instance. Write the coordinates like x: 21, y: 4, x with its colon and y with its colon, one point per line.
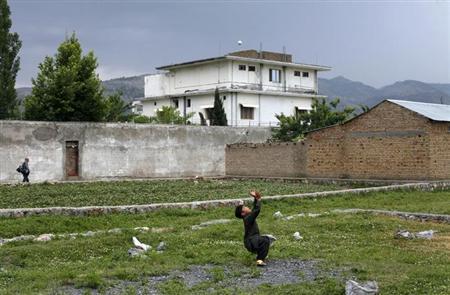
x: 240, y: 87
x: 264, y: 107
x: 225, y: 73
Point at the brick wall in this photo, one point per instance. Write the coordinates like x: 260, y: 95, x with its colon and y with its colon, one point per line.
x: 266, y: 159
x: 440, y: 151
x: 388, y: 142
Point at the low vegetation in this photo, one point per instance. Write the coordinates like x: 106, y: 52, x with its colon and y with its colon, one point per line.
x: 350, y: 245
x: 144, y: 192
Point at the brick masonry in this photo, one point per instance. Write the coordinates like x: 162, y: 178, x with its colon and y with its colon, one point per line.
x: 388, y: 142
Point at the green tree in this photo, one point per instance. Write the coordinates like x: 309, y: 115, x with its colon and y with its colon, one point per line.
x: 170, y: 115
x: 218, y: 115
x: 322, y: 114
x: 67, y: 87
x: 116, y: 109
x: 9, y: 64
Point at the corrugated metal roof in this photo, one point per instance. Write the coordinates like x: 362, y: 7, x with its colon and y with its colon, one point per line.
x: 433, y: 111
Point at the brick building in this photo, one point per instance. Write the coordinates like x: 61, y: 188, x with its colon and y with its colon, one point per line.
x: 394, y: 140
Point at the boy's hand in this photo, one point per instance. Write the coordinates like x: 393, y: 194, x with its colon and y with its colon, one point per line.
x: 255, y: 195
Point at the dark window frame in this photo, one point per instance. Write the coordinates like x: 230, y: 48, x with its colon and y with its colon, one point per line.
x: 252, y: 68
x: 247, y: 113
x: 305, y: 74
x: 188, y: 103
x: 297, y: 73
x: 242, y: 67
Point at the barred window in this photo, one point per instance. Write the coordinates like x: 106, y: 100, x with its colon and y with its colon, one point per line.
x: 247, y: 113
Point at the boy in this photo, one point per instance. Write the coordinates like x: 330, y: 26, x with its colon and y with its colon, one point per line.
x: 253, y: 241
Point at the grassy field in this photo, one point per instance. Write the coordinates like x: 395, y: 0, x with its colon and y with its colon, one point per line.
x: 144, y: 192
x: 360, y: 246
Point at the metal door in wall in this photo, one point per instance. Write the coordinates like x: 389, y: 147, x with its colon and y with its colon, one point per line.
x: 72, y: 159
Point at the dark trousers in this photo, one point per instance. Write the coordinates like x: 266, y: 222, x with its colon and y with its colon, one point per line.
x: 258, y: 245
x: 25, y: 177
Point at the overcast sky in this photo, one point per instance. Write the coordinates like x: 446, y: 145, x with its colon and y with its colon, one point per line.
x: 375, y: 42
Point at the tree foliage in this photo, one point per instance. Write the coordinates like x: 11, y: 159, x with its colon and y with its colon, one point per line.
x: 9, y: 64
x: 116, y: 109
x: 322, y: 114
x: 170, y: 115
x: 165, y: 115
x: 67, y: 87
x: 218, y: 115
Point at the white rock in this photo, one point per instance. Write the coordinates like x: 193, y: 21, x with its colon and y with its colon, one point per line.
x: 297, y: 236
x: 161, y: 247
x: 313, y: 214
x: 428, y: 234
x: 44, y: 238
x: 133, y: 252
x: 211, y: 222
x: 277, y: 215
x: 140, y: 245
x: 404, y: 234
x: 355, y: 288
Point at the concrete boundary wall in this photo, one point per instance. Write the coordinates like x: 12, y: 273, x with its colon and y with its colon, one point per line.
x: 87, y: 151
x: 133, y: 209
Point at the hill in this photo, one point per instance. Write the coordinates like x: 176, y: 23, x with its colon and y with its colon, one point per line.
x: 350, y: 92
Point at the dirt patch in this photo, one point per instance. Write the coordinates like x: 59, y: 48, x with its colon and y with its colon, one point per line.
x: 277, y: 272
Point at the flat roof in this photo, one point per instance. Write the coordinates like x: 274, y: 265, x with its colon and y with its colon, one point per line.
x: 245, y: 59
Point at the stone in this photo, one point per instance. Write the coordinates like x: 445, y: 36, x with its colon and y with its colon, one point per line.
x: 355, y: 288
x: 115, y: 231
x: 403, y: 234
x: 428, y: 234
x: 44, y: 238
x: 88, y: 234
x: 211, y: 222
x: 297, y: 236
x: 140, y: 245
x: 136, y: 252
x: 142, y: 228
x: 278, y: 215
x: 161, y: 247
x: 313, y: 214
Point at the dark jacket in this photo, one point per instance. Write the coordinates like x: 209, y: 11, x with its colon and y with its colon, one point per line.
x: 24, y: 168
x: 250, y: 224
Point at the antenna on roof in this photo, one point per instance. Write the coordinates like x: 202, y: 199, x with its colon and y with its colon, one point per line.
x: 260, y: 49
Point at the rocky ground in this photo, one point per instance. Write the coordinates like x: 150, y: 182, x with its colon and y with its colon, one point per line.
x: 238, y: 277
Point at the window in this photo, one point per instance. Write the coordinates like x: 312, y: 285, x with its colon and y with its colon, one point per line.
x: 297, y: 73
x: 224, y: 97
x: 247, y: 113
x: 139, y: 108
x: 189, y: 103
x: 299, y: 112
x: 274, y: 76
x: 242, y: 67
x: 251, y: 68
x: 175, y: 103
x: 305, y: 74
x: 154, y: 103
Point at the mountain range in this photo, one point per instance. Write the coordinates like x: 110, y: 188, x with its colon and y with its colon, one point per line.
x: 350, y: 92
